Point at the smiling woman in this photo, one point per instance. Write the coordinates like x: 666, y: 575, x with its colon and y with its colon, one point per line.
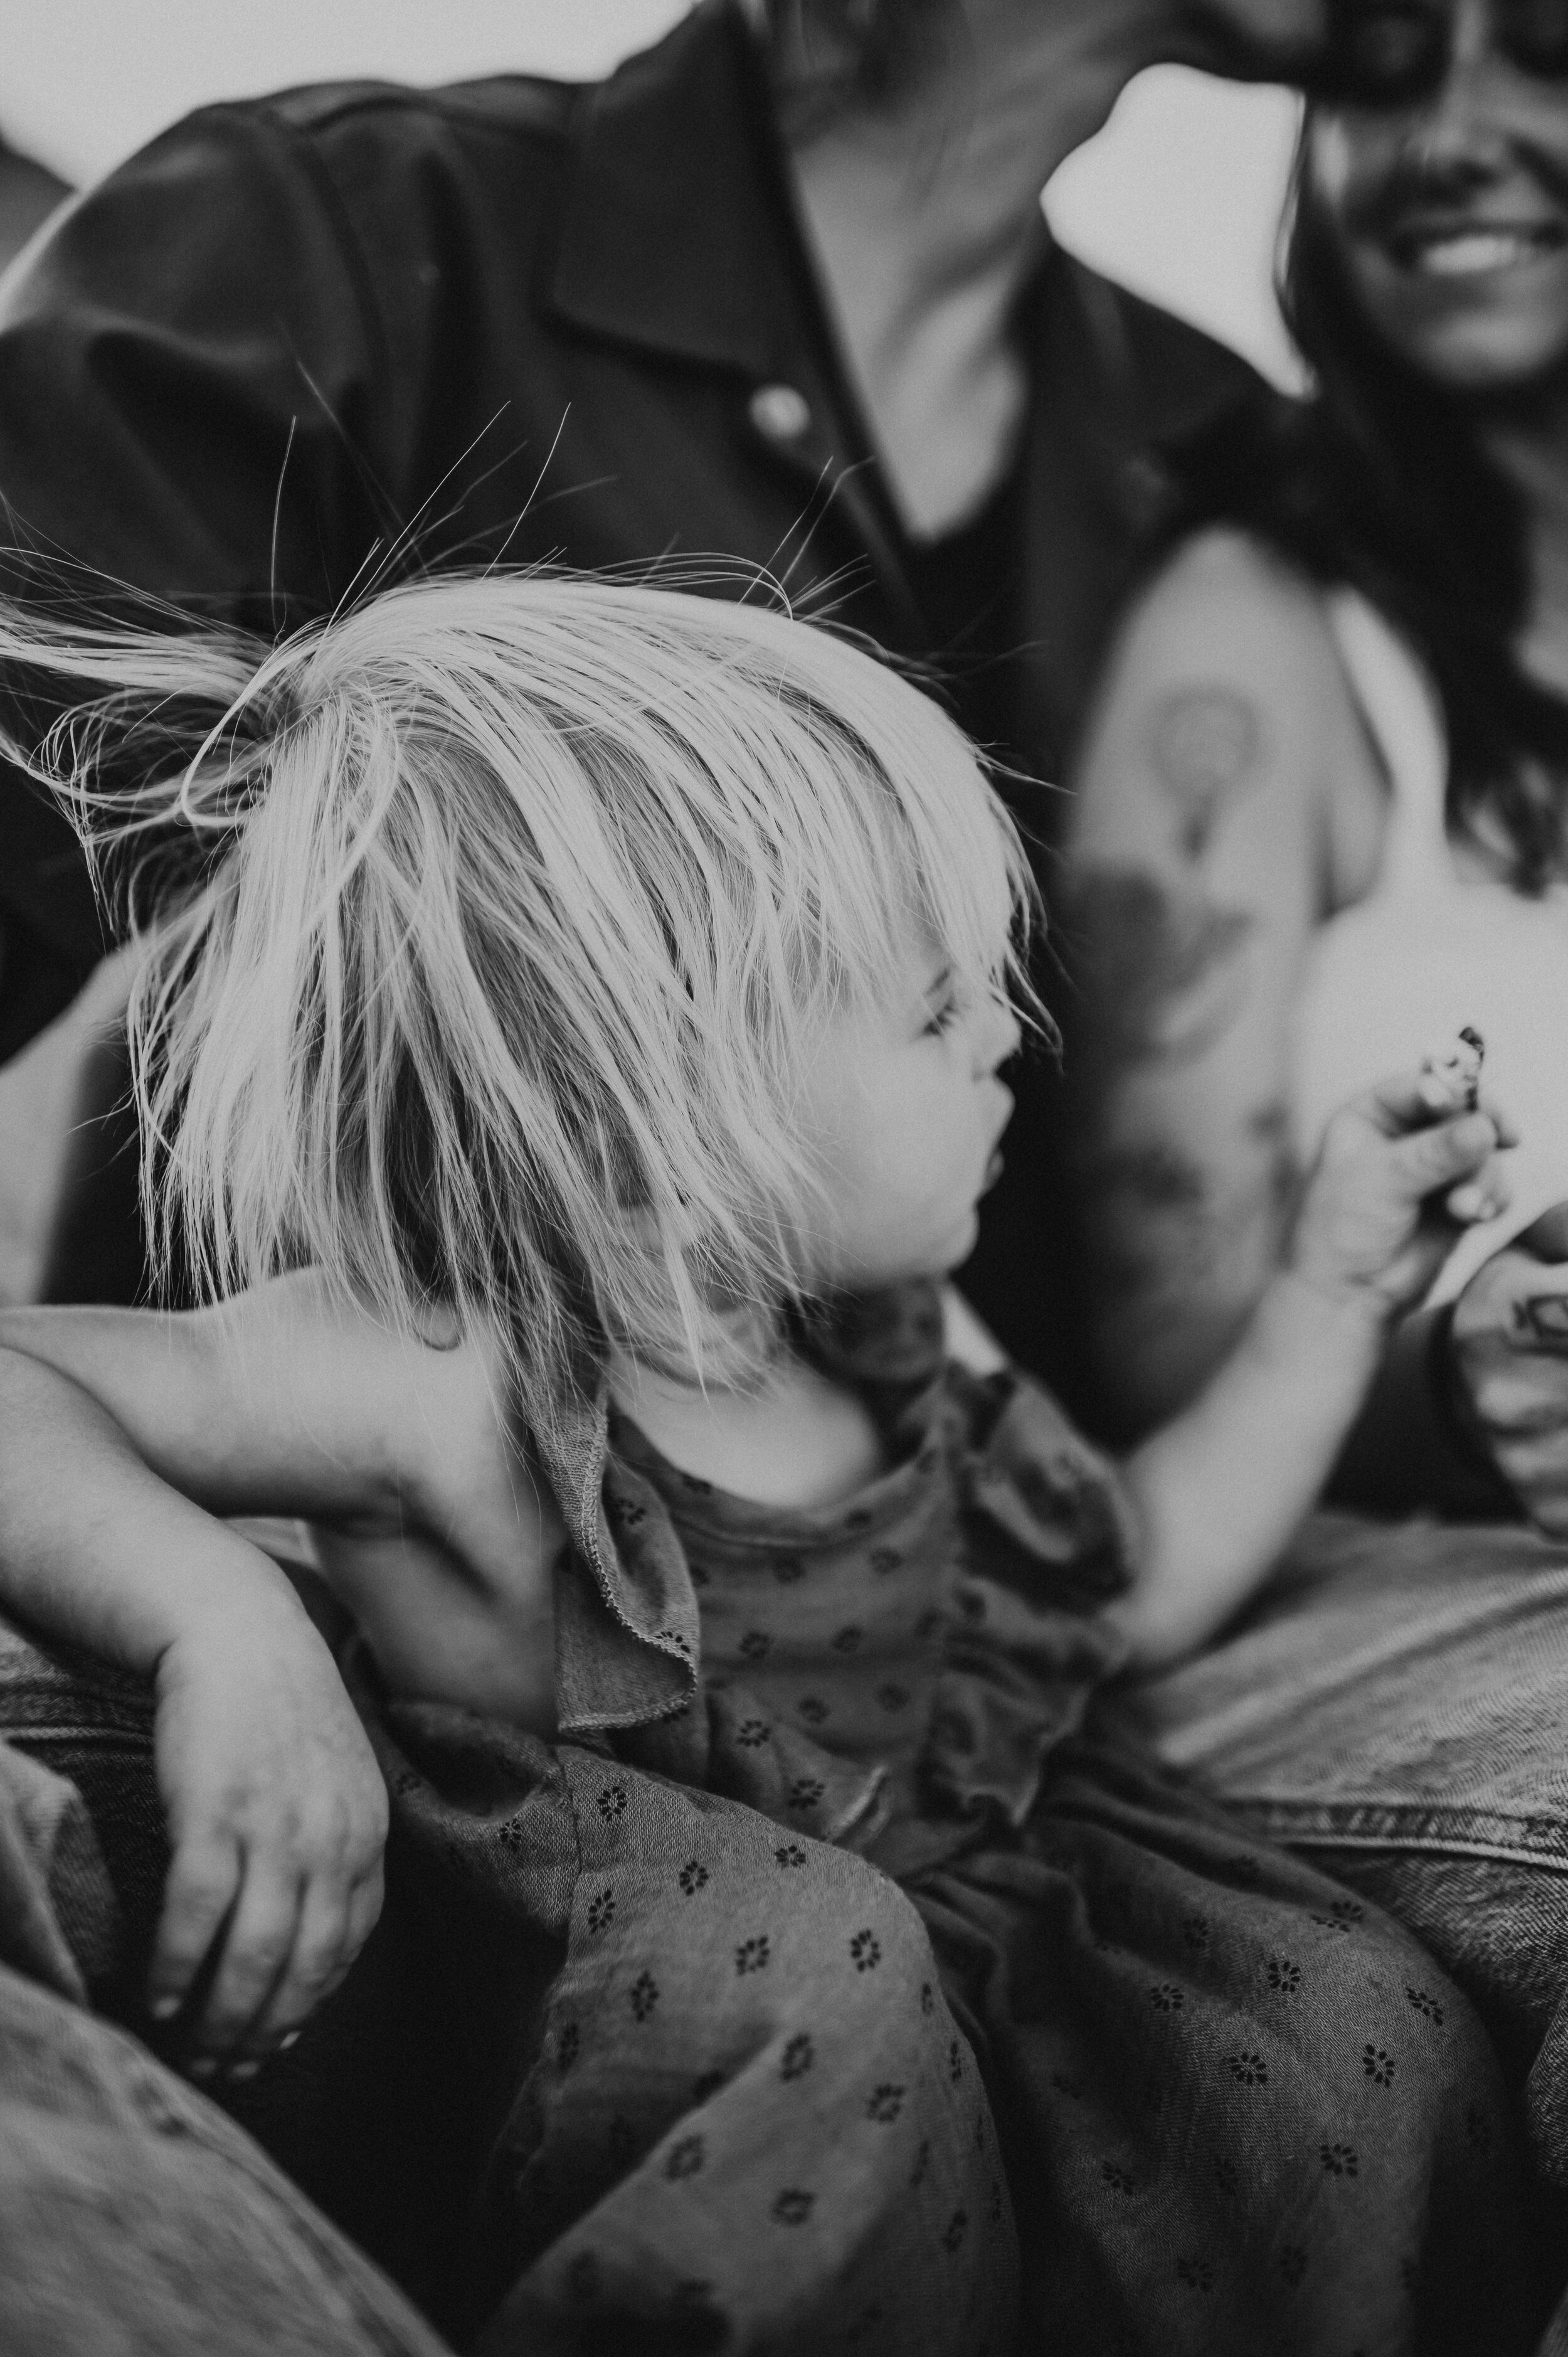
x: 1445, y: 169
x: 1238, y: 777
x: 1361, y: 625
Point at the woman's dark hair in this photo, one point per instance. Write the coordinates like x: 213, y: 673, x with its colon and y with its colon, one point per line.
x: 1379, y: 480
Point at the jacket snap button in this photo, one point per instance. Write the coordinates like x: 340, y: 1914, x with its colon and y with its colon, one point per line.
x: 779, y: 413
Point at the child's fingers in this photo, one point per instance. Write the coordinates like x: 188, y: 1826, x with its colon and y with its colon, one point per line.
x: 1477, y: 1199
x: 1419, y: 1099
x: 1501, y: 1118
x: 1411, y: 1101
x: 258, y: 1941
x: 1443, y: 1157
x: 202, y: 1885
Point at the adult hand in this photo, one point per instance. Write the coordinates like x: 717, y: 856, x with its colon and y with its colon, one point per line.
x: 1509, y: 1348
x: 277, y: 1819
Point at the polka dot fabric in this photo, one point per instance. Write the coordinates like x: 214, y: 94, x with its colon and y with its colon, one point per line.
x: 874, y: 1995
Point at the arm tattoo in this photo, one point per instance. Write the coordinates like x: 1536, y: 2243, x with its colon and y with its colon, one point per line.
x: 1161, y: 975
x: 1205, y: 743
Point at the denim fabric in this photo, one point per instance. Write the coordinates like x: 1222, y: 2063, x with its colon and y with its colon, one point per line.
x: 1396, y: 1704
x: 363, y: 2116
x: 134, y: 2216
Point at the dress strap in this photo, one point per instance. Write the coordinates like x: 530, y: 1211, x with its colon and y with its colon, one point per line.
x: 1405, y: 719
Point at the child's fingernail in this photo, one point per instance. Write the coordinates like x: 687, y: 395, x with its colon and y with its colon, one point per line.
x: 292, y: 2038
x: 202, y: 2066
x: 246, y: 2069
x: 165, y: 2008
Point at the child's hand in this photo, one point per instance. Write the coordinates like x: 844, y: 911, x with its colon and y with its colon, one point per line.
x: 1403, y: 1171
x: 277, y: 1818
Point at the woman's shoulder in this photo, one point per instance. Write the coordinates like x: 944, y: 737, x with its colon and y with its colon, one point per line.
x: 1221, y: 577
x: 1226, y: 672
x: 1225, y: 613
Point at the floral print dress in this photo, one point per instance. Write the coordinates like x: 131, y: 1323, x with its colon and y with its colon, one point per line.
x: 841, y: 1978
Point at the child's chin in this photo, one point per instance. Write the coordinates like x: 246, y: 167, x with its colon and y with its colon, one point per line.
x: 954, y: 1250
x: 935, y: 1260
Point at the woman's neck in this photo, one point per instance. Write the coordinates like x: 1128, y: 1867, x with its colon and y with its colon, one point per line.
x: 792, y: 1438
x: 1529, y: 448
x: 925, y: 221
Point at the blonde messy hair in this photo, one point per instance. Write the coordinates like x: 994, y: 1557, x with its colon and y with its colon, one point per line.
x: 523, y: 901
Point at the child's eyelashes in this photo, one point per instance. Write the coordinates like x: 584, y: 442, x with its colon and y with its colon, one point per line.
x: 941, y: 1020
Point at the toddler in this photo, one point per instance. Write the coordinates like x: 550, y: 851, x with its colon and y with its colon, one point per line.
x: 576, y: 1012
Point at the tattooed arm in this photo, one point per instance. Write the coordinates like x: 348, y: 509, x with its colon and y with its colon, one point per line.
x: 1226, y: 801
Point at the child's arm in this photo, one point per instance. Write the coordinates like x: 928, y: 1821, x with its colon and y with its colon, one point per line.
x: 277, y: 1813
x: 1221, y: 1488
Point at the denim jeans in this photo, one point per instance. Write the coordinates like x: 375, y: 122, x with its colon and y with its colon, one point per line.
x: 134, y: 2215
x: 1395, y: 1705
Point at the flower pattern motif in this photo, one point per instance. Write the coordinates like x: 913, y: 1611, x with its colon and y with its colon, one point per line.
x: 1378, y: 2065
x: 833, y: 1653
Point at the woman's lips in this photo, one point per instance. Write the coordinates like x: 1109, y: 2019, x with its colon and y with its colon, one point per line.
x: 1474, y: 250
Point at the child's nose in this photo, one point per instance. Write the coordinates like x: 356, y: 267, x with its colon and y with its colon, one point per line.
x: 999, y: 1036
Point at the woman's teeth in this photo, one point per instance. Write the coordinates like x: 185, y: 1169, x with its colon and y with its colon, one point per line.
x: 1471, y: 253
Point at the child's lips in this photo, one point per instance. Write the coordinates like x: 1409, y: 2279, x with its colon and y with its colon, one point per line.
x: 993, y: 1169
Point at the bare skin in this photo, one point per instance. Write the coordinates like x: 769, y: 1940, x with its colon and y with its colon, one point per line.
x: 1227, y: 801
x: 1455, y: 227
x: 925, y: 219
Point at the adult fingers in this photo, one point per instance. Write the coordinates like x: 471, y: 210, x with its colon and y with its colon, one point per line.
x: 257, y: 1945
x: 1538, y: 1309
x: 315, y: 1964
x: 202, y: 1886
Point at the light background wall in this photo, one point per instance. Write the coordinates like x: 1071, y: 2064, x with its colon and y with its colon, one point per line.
x: 1178, y: 197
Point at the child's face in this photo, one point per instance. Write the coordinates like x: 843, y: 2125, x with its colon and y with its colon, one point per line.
x: 906, y: 1114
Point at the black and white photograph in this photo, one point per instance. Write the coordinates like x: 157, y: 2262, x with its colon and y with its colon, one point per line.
x: 784, y: 1179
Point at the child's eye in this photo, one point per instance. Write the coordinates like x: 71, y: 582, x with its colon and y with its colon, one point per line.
x: 944, y: 1019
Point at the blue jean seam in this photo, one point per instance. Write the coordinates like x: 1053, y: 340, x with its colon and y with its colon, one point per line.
x: 1466, y: 1833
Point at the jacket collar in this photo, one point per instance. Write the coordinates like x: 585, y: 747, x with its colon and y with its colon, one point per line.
x: 677, y: 231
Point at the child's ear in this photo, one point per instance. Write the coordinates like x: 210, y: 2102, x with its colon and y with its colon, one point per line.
x: 438, y: 1326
